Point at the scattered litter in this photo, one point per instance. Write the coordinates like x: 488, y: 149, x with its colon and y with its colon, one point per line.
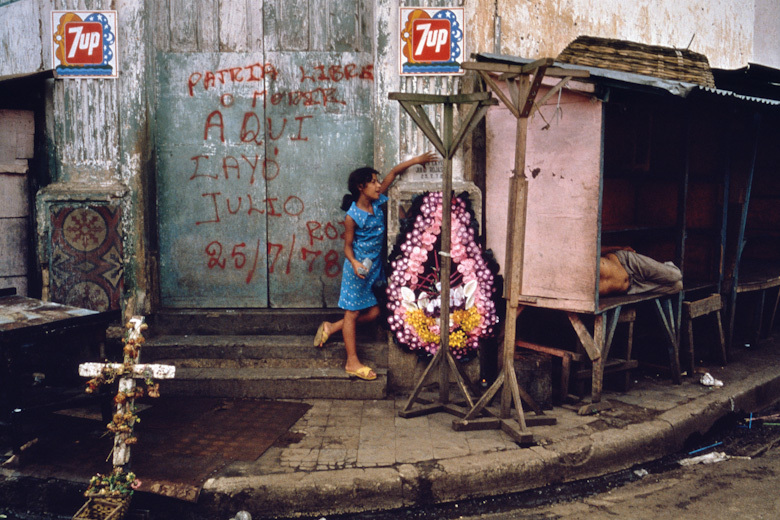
x: 705, y: 448
x: 594, y: 408
x: 772, y: 424
x: 708, y: 458
x: 242, y: 515
x: 750, y: 422
x: 708, y: 380
x: 765, y: 417
x: 641, y: 473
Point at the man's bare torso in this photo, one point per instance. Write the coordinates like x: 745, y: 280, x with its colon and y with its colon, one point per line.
x: 613, y: 278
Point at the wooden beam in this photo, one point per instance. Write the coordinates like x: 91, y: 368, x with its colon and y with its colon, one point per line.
x: 594, y: 352
x: 530, y: 97
x: 476, y: 113
x: 558, y: 72
x: 557, y: 352
x: 550, y: 93
x: 420, y: 117
x: 433, y: 99
x: 505, y: 68
x: 500, y: 93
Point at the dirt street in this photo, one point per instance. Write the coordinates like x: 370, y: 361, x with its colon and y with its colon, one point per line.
x: 744, y: 489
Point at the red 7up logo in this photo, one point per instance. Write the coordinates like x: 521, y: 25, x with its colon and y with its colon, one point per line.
x: 431, y: 40
x: 84, y: 43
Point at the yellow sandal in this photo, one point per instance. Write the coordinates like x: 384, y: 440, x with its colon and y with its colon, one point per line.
x: 321, y: 337
x: 363, y: 373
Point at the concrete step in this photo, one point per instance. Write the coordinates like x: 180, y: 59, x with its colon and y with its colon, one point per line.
x: 274, y: 383
x: 268, y: 366
x: 253, y: 350
x: 243, y: 321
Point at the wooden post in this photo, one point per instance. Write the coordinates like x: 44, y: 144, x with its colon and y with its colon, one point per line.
x: 523, y: 82
x: 445, y: 260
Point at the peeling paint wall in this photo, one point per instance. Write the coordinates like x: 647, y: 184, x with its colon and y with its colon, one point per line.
x: 20, y: 41
x: 766, y: 46
x: 98, y: 130
x: 720, y: 29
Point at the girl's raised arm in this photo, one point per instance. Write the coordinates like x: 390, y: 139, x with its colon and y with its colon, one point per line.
x: 402, y: 167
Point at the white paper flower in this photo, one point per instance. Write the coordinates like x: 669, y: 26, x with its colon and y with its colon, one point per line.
x: 470, y: 291
x: 408, y: 299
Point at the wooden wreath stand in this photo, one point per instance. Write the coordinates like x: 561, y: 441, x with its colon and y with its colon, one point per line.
x: 523, y: 82
x: 413, y: 104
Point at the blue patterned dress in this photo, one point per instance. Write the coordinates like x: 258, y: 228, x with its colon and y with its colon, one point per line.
x: 356, y: 294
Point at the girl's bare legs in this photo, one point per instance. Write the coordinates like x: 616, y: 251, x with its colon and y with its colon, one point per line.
x: 347, y: 327
x: 369, y: 314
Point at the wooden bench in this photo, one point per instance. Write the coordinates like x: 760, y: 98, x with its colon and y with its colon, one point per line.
x: 567, y: 356
x: 711, y: 305
x: 597, y: 344
x: 759, y: 279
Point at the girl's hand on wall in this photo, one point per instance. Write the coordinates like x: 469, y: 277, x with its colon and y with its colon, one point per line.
x: 426, y: 158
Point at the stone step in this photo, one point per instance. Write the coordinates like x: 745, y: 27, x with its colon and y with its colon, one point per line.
x: 180, y: 363
x: 274, y: 383
x: 267, y: 366
x: 257, y: 351
x: 302, y: 322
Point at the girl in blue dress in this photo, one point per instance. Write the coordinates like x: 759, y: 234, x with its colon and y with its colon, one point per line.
x: 364, y: 233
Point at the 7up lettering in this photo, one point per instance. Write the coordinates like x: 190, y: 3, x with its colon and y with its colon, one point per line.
x: 84, y: 43
x: 431, y: 40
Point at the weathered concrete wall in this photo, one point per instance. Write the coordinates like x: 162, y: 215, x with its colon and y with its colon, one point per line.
x: 766, y: 41
x: 99, y: 135
x: 723, y: 30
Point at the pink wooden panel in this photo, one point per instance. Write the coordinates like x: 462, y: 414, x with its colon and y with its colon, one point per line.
x: 563, y: 170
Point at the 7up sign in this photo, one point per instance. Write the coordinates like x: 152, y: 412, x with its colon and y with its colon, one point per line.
x: 431, y: 40
x: 84, y: 44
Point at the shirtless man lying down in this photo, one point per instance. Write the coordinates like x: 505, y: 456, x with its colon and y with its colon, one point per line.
x: 624, y: 271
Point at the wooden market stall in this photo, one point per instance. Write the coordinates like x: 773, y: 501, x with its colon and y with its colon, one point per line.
x: 608, y: 163
x: 753, y: 262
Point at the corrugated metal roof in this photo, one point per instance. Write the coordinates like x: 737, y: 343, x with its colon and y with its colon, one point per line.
x: 740, y: 97
x: 754, y: 80
x: 629, y: 80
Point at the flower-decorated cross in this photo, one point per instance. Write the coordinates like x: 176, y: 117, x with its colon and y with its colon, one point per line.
x: 124, y: 418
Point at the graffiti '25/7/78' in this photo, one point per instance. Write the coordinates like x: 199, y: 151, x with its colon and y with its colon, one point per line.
x: 240, y: 258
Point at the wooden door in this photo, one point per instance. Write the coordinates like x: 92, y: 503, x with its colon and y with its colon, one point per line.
x: 253, y: 153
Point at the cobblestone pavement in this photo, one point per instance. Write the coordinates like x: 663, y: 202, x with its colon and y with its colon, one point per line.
x: 335, y: 435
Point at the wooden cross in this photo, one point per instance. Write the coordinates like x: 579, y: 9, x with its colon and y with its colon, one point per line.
x: 130, y: 371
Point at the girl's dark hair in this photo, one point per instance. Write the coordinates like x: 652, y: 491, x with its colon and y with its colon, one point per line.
x: 357, y: 178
